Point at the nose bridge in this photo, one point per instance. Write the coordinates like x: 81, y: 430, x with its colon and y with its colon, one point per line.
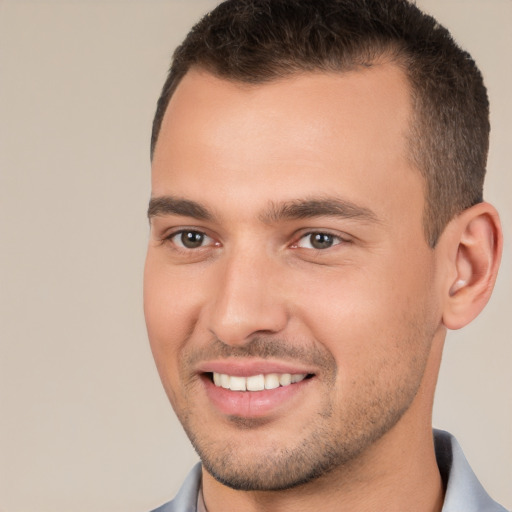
x: 248, y: 299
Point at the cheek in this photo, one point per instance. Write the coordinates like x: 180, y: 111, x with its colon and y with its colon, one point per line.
x: 170, y: 315
x: 370, y: 318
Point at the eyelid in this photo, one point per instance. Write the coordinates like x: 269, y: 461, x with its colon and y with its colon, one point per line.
x: 170, y: 236
x: 206, y: 241
x: 341, y: 238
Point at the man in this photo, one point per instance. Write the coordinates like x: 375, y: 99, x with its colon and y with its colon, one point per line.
x: 317, y: 224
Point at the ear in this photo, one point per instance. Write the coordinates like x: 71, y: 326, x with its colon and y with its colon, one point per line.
x: 475, y: 239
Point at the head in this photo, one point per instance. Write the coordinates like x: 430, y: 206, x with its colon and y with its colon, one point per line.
x: 316, y: 225
x: 255, y: 42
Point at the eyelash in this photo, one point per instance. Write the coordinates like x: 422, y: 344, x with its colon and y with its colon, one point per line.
x: 172, y: 238
x: 334, y: 239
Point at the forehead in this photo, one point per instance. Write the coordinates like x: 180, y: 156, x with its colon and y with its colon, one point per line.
x: 308, y: 134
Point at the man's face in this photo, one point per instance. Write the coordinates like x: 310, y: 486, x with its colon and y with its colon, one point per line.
x: 287, y: 245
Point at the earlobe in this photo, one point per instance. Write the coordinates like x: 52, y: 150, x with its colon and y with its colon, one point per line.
x: 477, y: 236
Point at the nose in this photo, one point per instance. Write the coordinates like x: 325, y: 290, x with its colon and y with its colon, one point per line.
x: 248, y: 300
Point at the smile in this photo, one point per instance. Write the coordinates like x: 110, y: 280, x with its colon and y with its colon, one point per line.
x: 258, y: 393
x: 258, y: 382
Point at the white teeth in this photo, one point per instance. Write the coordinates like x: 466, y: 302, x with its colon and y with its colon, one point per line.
x: 271, y: 381
x: 237, y: 383
x: 285, y: 379
x: 256, y: 382
x: 224, y: 380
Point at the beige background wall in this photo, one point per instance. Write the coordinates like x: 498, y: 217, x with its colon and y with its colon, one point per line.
x: 84, y: 424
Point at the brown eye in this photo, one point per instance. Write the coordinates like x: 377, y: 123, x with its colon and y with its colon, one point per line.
x: 318, y: 241
x: 190, y: 239
x: 321, y: 240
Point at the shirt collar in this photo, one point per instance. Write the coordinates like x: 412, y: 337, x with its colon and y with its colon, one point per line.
x: 463, y: 490
x: 464, y: 493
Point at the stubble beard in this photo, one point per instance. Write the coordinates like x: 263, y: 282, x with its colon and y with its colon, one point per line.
x: 333, y: 440
x: 279, y: 468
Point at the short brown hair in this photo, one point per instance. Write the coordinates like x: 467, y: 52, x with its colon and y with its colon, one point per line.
x: 256, y: 41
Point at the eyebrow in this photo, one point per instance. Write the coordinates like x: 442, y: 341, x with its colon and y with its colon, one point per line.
x: 276, y: 212
x: 169, y: 205
x: 317, y: 207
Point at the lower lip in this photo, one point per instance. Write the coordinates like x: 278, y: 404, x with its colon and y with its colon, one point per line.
x: 253, y: 404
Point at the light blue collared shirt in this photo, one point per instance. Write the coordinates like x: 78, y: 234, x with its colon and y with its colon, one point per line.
x: 464, y: 493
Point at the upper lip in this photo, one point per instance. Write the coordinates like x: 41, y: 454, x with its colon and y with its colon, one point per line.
x: 248, y: 367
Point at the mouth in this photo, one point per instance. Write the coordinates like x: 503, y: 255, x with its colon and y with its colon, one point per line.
x: 242, y: 393
x: 259, y: 382
x: 256, y: 387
